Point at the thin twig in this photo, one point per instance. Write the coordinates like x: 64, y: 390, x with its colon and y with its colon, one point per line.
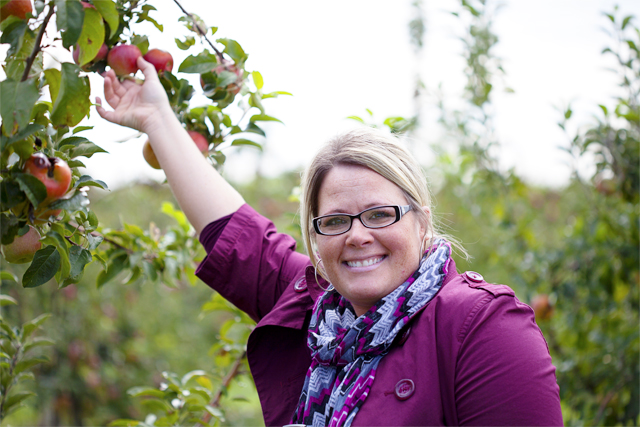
x: 37, y: 47
x: 233, y: 372
x: 106, y: 239
x: 201, y: 31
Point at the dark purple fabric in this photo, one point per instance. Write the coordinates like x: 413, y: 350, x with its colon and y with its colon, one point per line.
x: 474, y: 354
x: 210, y: 234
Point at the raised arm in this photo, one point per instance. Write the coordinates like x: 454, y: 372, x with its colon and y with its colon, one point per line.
x: 203, y: 194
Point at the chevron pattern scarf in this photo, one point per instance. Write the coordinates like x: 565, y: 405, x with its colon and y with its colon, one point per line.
x: 346, y: 350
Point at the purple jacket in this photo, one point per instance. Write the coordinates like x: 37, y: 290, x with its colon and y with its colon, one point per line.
x: 473, y: 356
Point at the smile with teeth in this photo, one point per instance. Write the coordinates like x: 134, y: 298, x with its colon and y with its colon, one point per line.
x: 365, y: 263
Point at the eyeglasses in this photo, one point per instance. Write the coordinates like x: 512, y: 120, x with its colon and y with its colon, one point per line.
x: 378, y: 217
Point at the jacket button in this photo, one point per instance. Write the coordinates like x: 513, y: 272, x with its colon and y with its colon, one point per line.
x: 300, y: 285
x: 405, y: 389
x: 473, y: 276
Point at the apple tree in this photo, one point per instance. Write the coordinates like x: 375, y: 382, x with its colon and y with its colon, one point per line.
x: 46, y: 221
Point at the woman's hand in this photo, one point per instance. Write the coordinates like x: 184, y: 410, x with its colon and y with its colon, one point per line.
x: 137, y: 106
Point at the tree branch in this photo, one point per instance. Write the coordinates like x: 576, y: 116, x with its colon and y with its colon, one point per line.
x: 37, y: 47
x: 233, y: 372
x: 201, y: 31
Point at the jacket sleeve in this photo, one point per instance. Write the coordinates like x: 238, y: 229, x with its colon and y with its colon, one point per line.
x: 504, y: 374
x: 251, y: 264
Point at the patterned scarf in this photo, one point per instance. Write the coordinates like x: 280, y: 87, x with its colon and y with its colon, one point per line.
x: 346, y: 350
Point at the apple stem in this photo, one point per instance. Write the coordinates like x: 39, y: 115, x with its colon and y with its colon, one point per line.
x: 37, y: 47
x: 202, y: 32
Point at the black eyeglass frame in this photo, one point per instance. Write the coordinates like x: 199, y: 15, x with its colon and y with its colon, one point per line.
x: 400, y: 212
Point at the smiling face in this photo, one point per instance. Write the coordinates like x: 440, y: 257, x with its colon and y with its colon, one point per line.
x: 366, y: 264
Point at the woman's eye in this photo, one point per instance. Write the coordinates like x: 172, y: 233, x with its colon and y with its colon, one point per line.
x: 335, y: 221
x: 379, y: 214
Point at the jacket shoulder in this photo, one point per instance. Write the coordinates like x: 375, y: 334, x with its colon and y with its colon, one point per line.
x: 463, y: 297
x: 469, y: 287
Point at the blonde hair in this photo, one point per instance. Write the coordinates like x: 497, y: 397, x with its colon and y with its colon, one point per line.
x: 382, y: 153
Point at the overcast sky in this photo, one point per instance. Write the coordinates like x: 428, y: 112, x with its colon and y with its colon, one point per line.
x: 339, y: 58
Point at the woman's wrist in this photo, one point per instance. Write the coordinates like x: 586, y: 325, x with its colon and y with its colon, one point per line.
x: 160, y: 121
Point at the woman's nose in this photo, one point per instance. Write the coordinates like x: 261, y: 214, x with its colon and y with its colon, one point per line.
x: 359, y: 235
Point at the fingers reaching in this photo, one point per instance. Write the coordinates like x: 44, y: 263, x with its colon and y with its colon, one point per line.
x: 147, y: 68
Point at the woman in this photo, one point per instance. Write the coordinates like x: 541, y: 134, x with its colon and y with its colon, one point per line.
x: 376, y: 326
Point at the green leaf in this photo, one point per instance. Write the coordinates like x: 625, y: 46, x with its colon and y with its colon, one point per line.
x: 13, y: 35
x: 74, y: 203
x: 10, y: 194
x: 6, y: 299
x: 256, y: 101
x: 75, y: 163
x: 92, y: 36
x: 254, y: 128
x: 86, y: 149
x: 69, y: 20
x: 23, y: 134
x: 604, y: 110
x: 18, y: 99
x: 72, y: 102
x: 145, y: 392
x: 142, y: 42
x: 53, y: 78
x: 29, y: 327
x: 33, y: 188
x: 94, y: 241
x: 625, y: 22
x: 38, y: 342
x: 567, y: 113
x: 78, y: 258
x: 198, y: 64
x: 54, y: 238
x: 15, y: 399
x: 107, y: 9
x: 123, y: 422
x: 10, y: 227
x: 356, y: 118
x: 8, y: 276
x: 87, y: 181
x: 29, y: 363
x: 189, y: 375
x: 275, y: 94
x: 178, y: 215
x: 114, y: 267
x: 263, y: 118
x: 234, y: 50
x: 186, y: 44
x: 257, y: 79
x: 243, y: 141
x: 9, y: 332
x: 79, y: 129
x: 44, y: 266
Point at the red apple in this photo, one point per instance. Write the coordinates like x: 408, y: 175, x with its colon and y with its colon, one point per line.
x: 86, y: 5
x: 163, y: 61
x: 53, y: 172
x: 542, y: 307
x: 123, y: 59
x: 148, y: 154
x: 23, y: 247
x: 102, y: 54
x: 200, y: 140
x: 18, y: 8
